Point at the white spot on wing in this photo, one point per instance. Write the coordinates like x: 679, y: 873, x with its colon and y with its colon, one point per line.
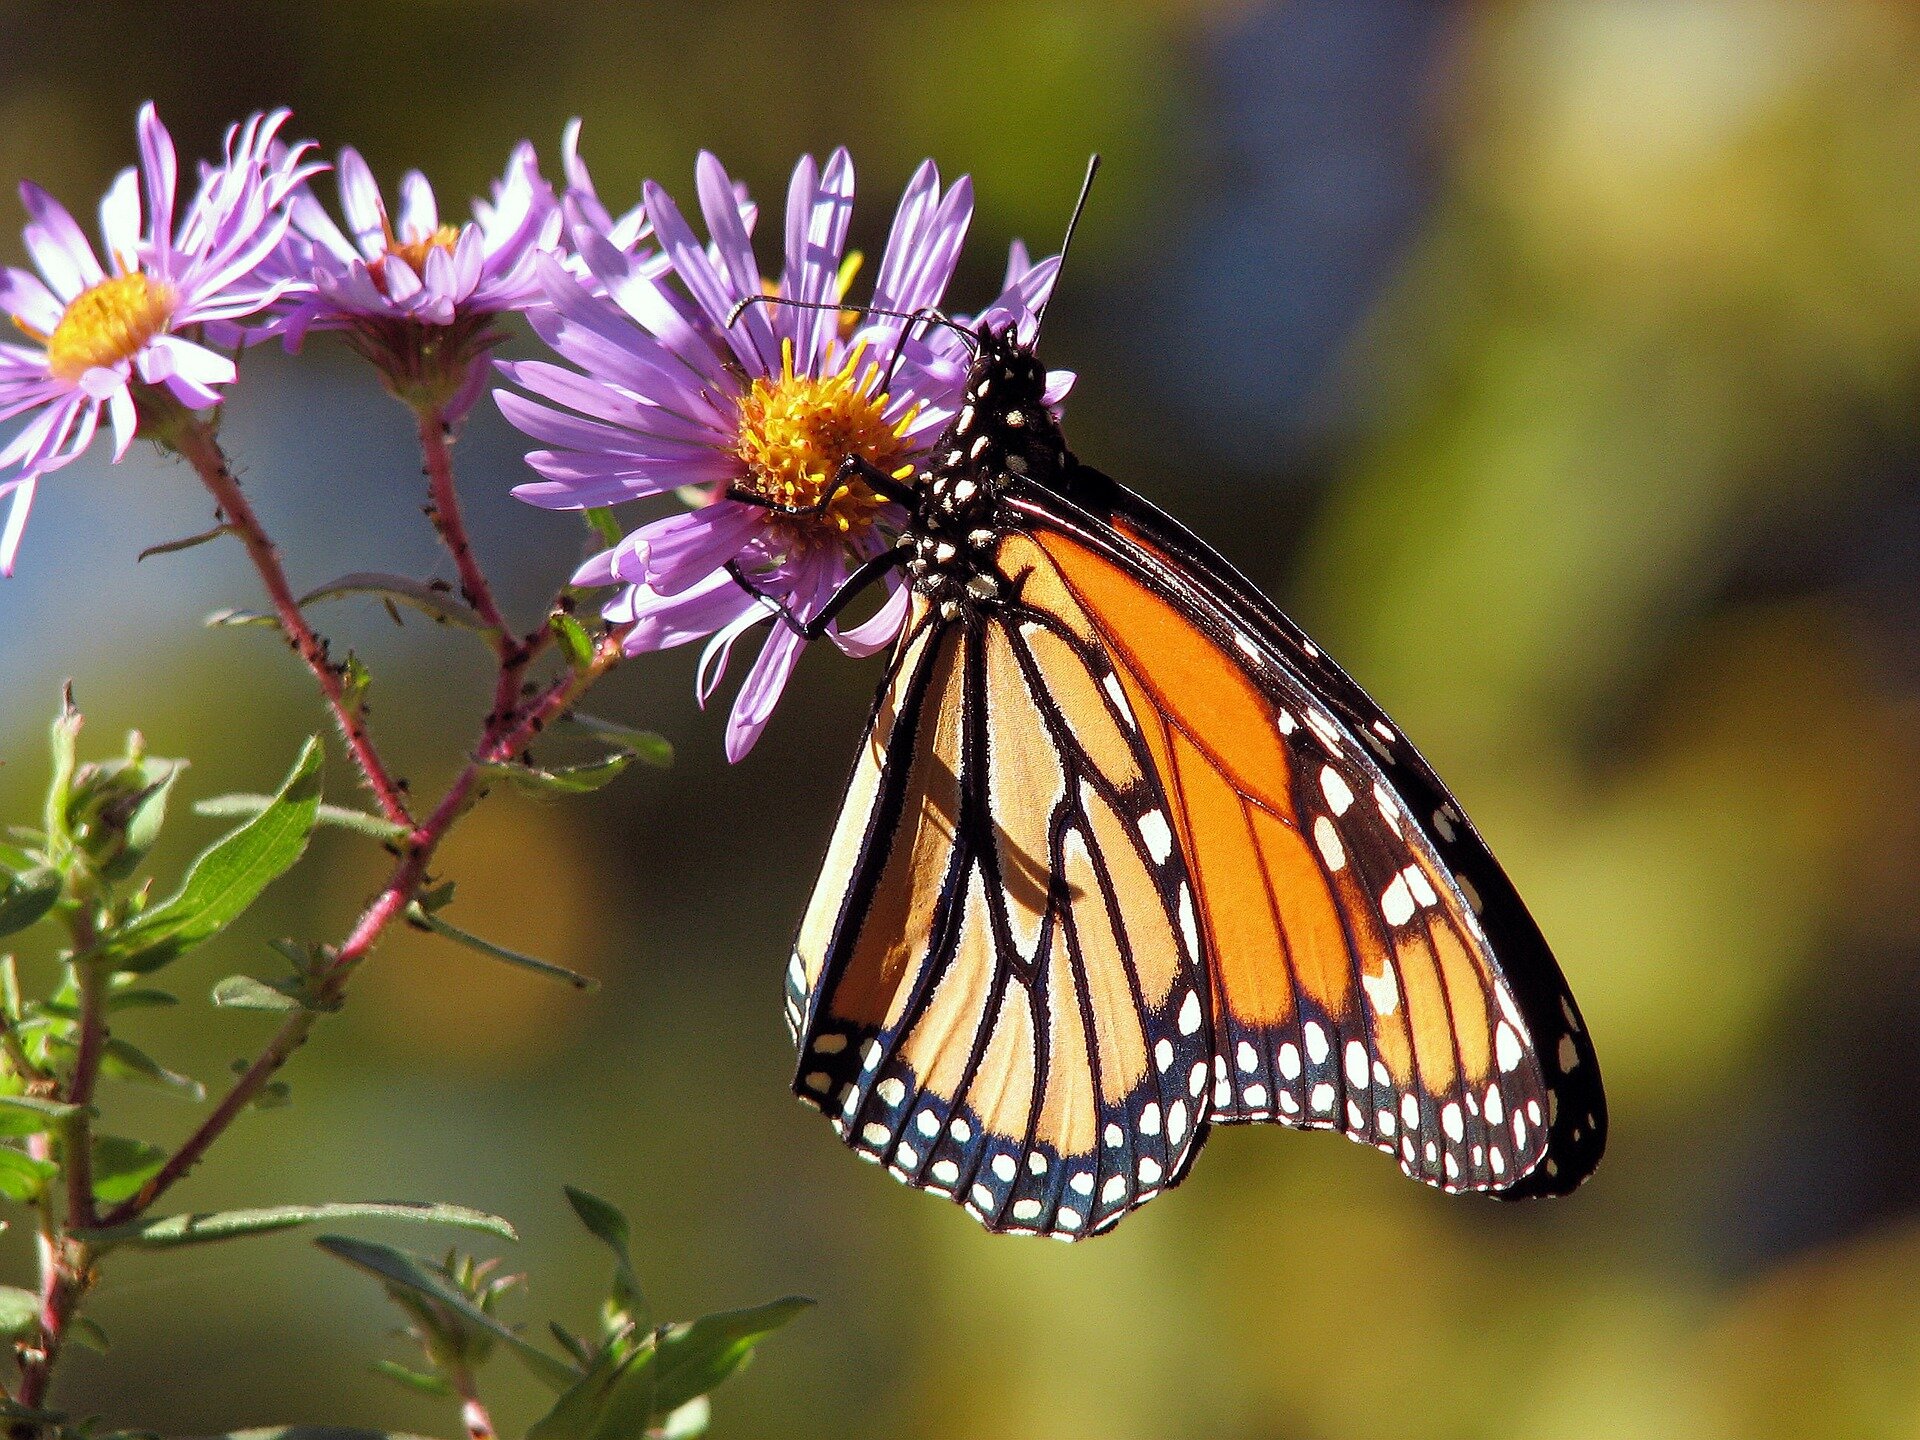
x: 1335, y: 788
x: 1383, y: 990
x: 1328, y: 839
x: 1396, y: 904
x: 1356, y: 1065
x: 1154, y: 830
x: 1506, y: 1048
x: 1190, y: 1014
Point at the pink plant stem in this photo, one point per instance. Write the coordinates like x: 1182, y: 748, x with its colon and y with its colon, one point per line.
x: 436, y: 448
x: 503, y: 740
x: 195, y: 441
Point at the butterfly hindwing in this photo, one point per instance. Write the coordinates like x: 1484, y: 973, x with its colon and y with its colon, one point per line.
x: 994, y: 994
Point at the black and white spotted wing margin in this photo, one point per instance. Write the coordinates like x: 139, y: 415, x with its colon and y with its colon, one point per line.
x: 996, y: 993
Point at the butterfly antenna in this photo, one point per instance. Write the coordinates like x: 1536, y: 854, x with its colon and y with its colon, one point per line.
x: 912, y: 317
x: 1066, y: 241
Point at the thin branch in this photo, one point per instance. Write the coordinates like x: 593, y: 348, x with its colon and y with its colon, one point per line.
x: 194, y: 440
x: 503, y: 740
x: 436, y: 448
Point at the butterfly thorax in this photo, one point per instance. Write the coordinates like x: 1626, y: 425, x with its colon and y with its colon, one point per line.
x: 1003, y: 434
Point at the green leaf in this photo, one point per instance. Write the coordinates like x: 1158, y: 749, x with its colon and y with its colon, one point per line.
x: 647, y: 747
x: 207, y: 1227
x: 568, y: 780
x: 122, y: 1061
x: 573, y: 638
x: 22, y: 1177
x: 19, y: 1312
x: 691, y: 1360
x: 688, y: 1422
x: 172, y: 547
x: 28, y: 1115
x: 317, y: 1432
x: 243, y: 992
x: 431, y: 601
x: 225, y: 806
x: 623, y: 1395
x: 121, y: 1166
x: 142, y: 824
x: 610, y: 1227
x: 89, y: 1334
x: 237, y: 619
x: 417, y: 1381
x: 399, y: 1271
x: 65, y: 735
x: 605, y: 525
x: 419, y: 915
x: 140, y: 999
x: 228, y: 877
x: 26, y: 898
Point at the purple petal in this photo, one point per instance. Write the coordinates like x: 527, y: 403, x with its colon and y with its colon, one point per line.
x: 360, y: 202
x: 24, y: 295
x: 682, y: 550
x: 16, y: 520
x: 760, y: 691
x: 419, y: 214
x: 696, y: 272
x: 57, y: 245
x: 120, y: 219
x: 160, y: 169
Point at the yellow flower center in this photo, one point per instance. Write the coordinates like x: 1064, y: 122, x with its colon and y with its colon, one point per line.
x: 797, y: 430
x: 415, y: 251
x: 106, y: 324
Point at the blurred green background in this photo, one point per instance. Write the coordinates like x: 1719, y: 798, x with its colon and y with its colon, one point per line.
x: 1558, y: 366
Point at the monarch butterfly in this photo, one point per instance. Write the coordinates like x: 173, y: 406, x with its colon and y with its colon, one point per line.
x: 1125, y: 856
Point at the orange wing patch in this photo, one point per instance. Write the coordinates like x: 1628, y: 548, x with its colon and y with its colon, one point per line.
x: 1351, y: 987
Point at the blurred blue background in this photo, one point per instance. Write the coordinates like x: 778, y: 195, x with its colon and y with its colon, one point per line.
x: 1555, y: 363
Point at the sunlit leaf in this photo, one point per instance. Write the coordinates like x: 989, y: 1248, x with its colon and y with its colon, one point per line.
x: 19, y: 1312
x: 647, y: 747
x: 610, y: 1227
x: 691, y: 1360
x: 228, y: 877
x: 230, y: 619
x: 417, y: 1381
x: 431, y: 601
x: 142, y: 826
x: 579, y: 779
x: 339, y: 816
x: 398, y: 1270
x: 22, y: 1115
x: 207, y: 1227
x: 243, y: 992
x: 123, y: 1061
x: 122, y: 1165
x: 21, y: 1176
x: 689, y: 1421
x: 188, y: 542
x: 573, y: 639
x: 426, y: 920
x: 26, y: 898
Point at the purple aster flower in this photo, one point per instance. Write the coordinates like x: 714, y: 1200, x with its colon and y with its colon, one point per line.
x: 416, y: 296
x: 751, y: 419
x: 121, y: 340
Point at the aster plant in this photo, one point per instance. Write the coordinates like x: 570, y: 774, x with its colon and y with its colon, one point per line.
x: 694, y: 373
x: 147, y: 337
x: 123, y: 338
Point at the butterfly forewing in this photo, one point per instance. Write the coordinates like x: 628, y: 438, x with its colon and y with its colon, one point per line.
x: 1354, y: 987
x: 996, y: 997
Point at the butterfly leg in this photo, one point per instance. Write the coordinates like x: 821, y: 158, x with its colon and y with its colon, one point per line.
x: 863, y: 576
x: 854, y: 467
